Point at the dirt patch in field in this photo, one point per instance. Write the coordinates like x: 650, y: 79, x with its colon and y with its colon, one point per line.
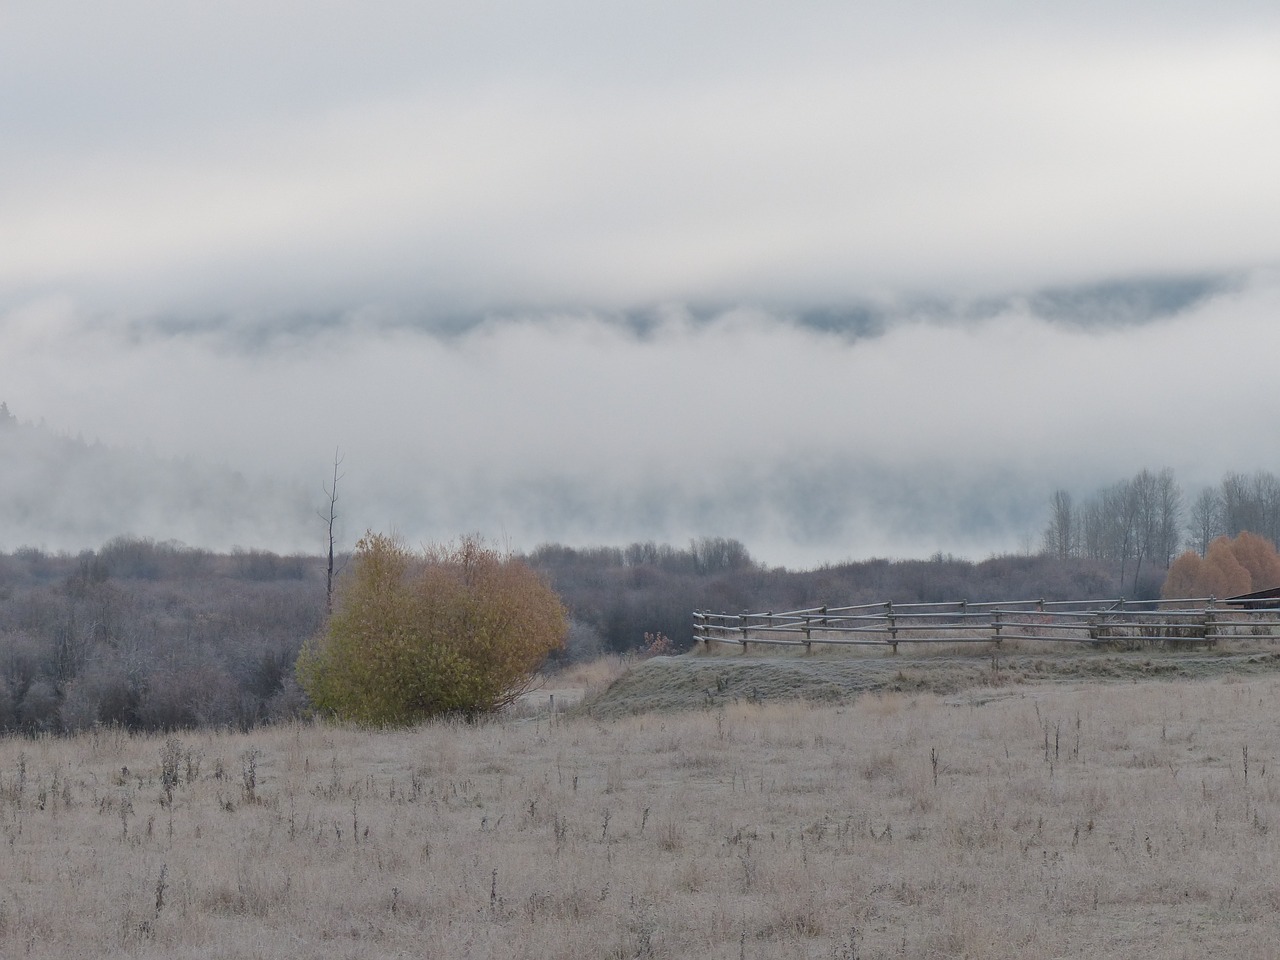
x: 693, y: 682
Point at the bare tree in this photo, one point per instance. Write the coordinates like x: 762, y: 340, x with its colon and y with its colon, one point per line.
x: 1093, y: 532
x: 1133, y: 523
x: 1061, y: 536
x: 719, y: 554
x: 329, y: 516
x: 1146, y: 518
x: 1206, y: 520
x: 1120, y: 519
x: 1168, y: 518
x: 1239, y: 508
x: 1266, y: 494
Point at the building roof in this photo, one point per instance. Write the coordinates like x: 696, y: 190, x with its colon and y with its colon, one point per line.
x: 1258, y: 600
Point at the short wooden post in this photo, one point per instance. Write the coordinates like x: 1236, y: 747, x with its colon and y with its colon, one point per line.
x: 893, y: 628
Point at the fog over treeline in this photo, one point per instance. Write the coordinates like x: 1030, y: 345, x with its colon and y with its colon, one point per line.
x: 871, y: 281
x: 812, y: 435
x: 64, y: 493
x: 163, y: 635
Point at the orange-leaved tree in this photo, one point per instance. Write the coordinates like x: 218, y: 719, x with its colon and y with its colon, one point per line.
x: 1258, y: 555
x: 1230, y: 567
x: 459, y: 628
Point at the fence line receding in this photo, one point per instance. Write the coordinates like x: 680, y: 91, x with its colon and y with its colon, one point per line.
x: 1097, y: 622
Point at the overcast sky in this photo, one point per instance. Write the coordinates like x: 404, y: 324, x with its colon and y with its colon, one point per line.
x: 836, y: 279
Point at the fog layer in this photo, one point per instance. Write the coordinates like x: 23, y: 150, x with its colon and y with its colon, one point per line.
x: 809, y: 445
x: 836, y: 279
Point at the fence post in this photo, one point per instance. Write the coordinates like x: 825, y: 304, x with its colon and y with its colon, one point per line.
x: 808, y: 634
x: 1208, y: 616
x: 743, y: 623
x: 893, y: 629
x: 995, y: 627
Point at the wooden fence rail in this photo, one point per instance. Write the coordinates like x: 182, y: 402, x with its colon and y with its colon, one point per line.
x: 1114, y: 622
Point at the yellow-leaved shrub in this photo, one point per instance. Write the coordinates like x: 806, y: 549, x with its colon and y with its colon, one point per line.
x: 459, y: 628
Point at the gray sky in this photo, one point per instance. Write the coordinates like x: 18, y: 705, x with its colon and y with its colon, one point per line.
x: 836, y: 279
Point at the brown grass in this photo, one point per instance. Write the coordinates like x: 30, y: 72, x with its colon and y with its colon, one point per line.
x: 1122, y: 820
x: 592, y: 675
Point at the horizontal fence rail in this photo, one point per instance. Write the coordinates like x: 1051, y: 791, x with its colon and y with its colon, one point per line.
x: 1098, y: 622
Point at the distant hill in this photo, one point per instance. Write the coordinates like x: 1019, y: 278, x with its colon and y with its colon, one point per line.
x: 63, y: 493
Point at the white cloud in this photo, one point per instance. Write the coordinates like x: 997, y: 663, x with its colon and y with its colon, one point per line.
x: 314, y: 194
x: 747, y: 424
x: 621, y: 165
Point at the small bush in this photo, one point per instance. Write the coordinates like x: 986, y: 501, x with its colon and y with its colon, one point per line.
x: 38, y: 711
x: 457, y: 629
x: 656, y: 645
x: 103, y: 693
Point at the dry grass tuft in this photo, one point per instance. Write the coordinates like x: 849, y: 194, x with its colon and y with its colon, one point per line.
x: 592, y: 675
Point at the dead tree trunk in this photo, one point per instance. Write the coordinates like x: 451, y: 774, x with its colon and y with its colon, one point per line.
x: 329, y: 516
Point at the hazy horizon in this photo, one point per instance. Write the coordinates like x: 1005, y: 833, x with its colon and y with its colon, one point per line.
x: 834, y: 281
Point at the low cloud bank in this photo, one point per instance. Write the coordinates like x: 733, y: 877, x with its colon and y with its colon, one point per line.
x: 942, y: 431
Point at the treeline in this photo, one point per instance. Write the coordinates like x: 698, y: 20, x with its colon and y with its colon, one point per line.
x: 1240, y: 502
x: 1129, y: 525
x: 153, y: 636
x: 159, y: 636
x: 617, y: 595
x: 1137, y: 526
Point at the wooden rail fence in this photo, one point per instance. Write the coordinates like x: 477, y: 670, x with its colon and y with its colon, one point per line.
x: 1099, y: 622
